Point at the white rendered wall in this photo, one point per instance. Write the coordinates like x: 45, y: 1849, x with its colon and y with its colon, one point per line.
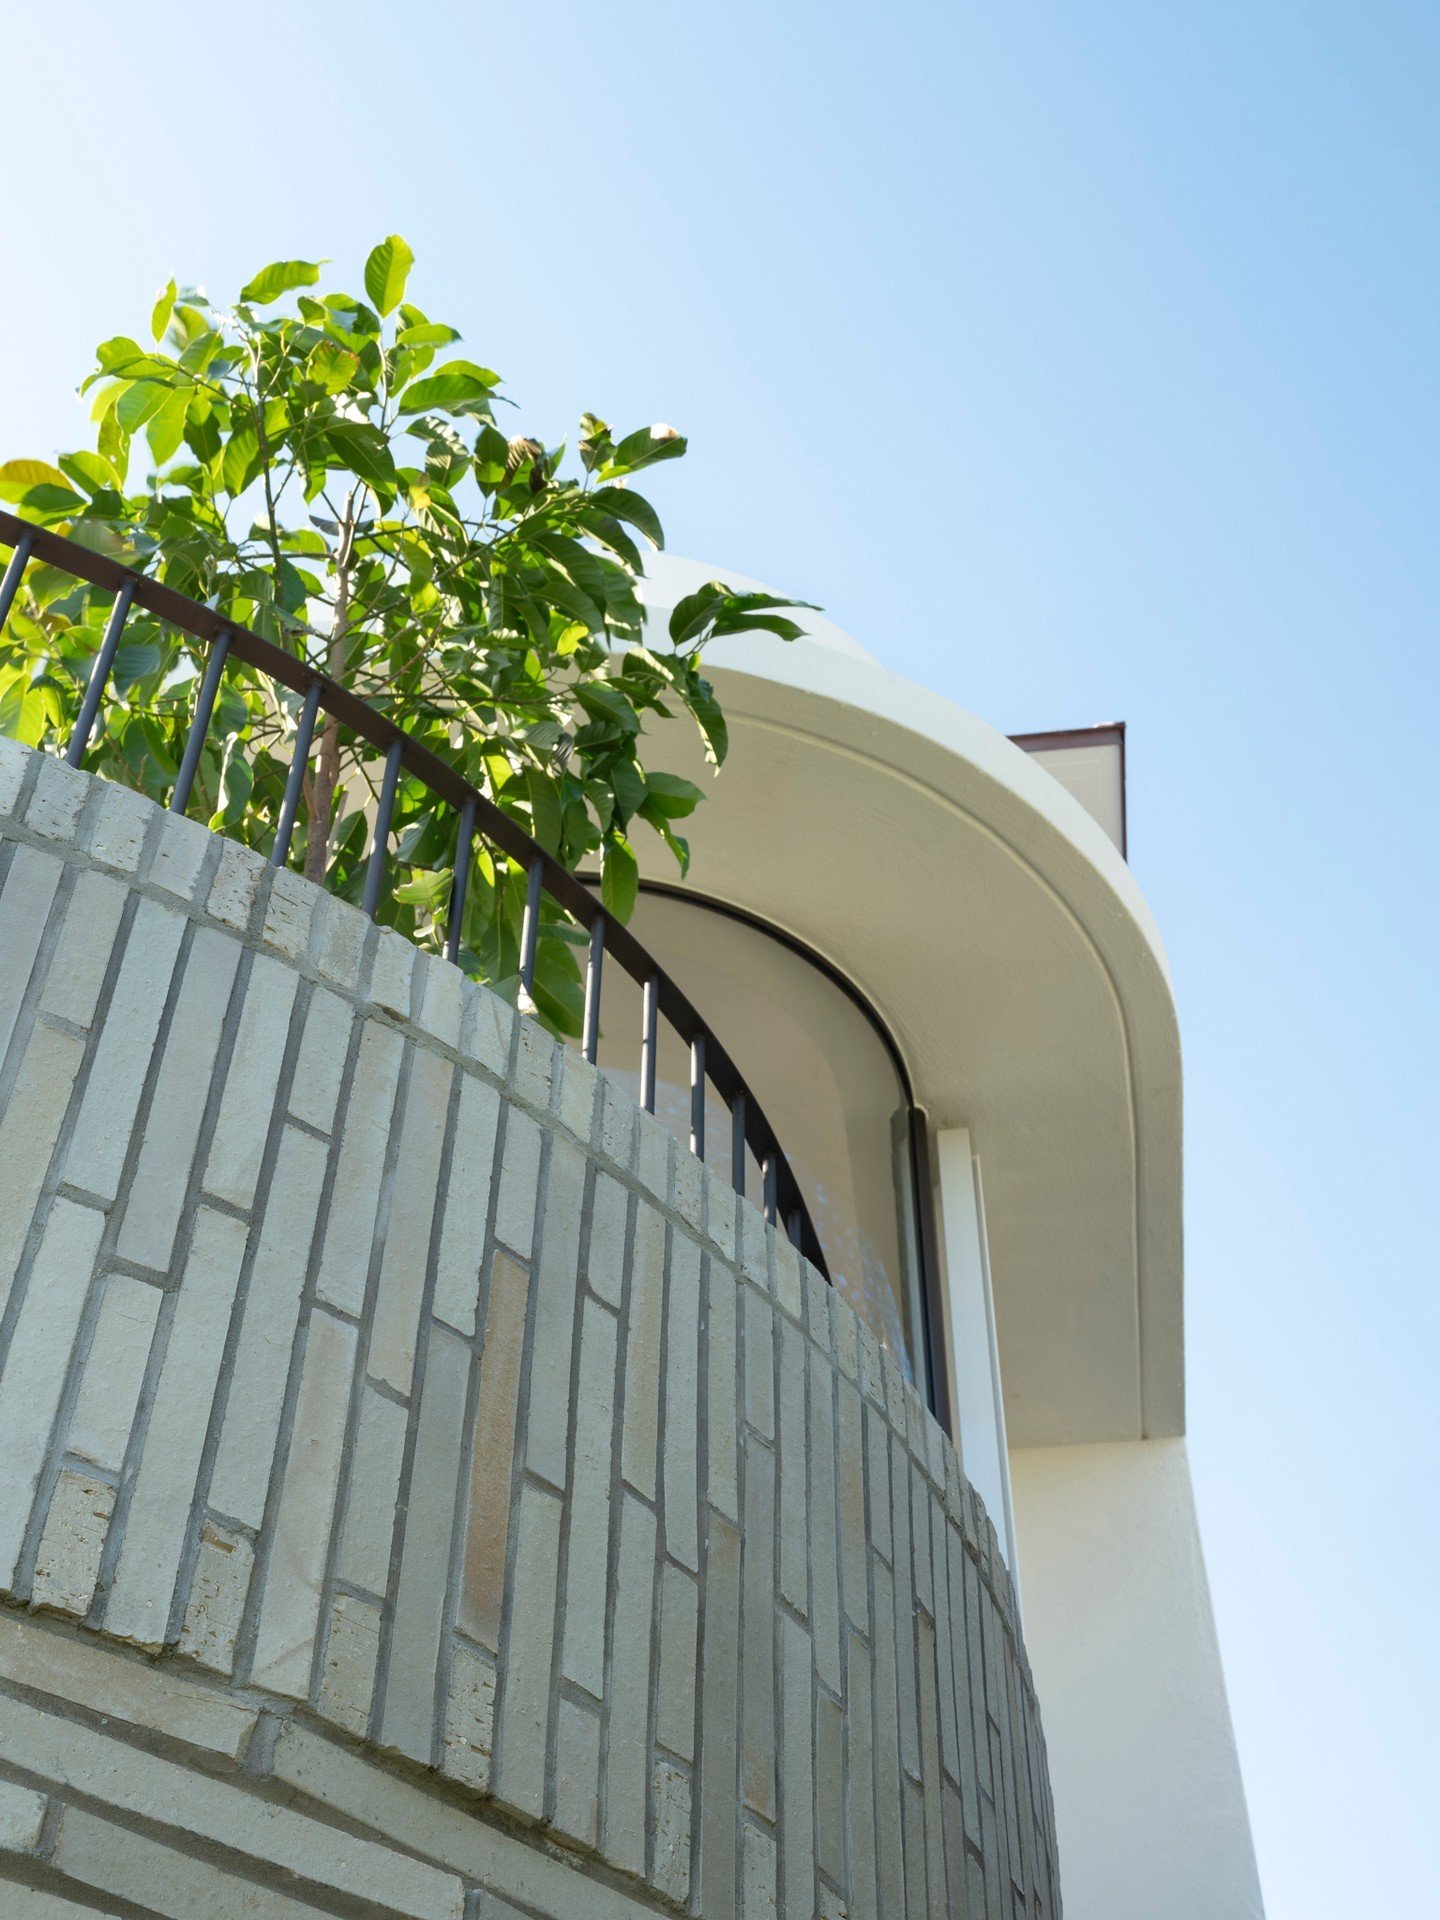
x: 1150, y: 1811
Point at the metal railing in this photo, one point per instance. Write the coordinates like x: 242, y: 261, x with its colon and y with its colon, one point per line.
x: 476, y: 816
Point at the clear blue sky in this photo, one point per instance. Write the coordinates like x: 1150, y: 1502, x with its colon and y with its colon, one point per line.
x: 1083, y: 362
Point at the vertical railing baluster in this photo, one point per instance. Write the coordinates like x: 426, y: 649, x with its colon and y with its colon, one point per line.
x: 99, y: 674
x: 770, y: 1180
x: 649, y: 1040
x: 14, y: 573
x: 697, y: 1096
x: 530, y: 927
x: 464, y: 854
x: 200, y: 721
x: 295, y: 780
x: 737, y: 1144
x: 590, y: 1040
x: 375, y: 872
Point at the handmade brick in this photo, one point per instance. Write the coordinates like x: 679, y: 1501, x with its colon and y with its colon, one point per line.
x: 216, y: 1602
x: 627, y: 1734
x: 818, y: 1295
x: 467, y: 1206
x: 889, y: 1840
x: 642, y: 1352
x: 392, y: 972
x: 179, y: 855
x: 24, y: 909
x: 720, y: 1207
x: 754, y: 1239
x: 56, y: 799
x: 37, y: 1363
x: 877, y: 1460
x: 347, y: 1672
x: 409, y: 1716
x: 519, y: 1183
x: 15, y: 763
x: 854, y: 1588
x: 492, y: 1452
x: 290, y: 1611
x: 689, y: 1189
x: 830, y: 1787
x: 920, y: 1540
x: 122, y: 819
x: 618, y: 1123
x: 232, y: 1166
x: 577, y: 1771
x: 534, y: 1067
x: 583, y: 1655
x: 261, y: 1365
x: 68, y: 1563
x: 682, y: 1351
x: 22, y: 1814
x: 525, y: 1709
x: 320, y: 1064
x: 930, y: 1764
x: 289, y: 913
x: 758, y: 1672
x: 860, y: 1759
x: 797, y: 1761
x: 369, y: 1526
x: 788, y: 1290
x: 759, y: 1363
x: 653, y: 1154
x: 904, y: 1613
x: 794, y: 1468
x: 824, y: 1576
x: 719, y: 1688
x: 77, y: 968
x: 114, y: 1371
x: 414, y: 1198
x: 605, y: 1252
x: 488, y: 1027
x: 468, y: 1741
x: 438, y: 991
x: 722, y: 1478
x: 670, y: 1871
x: 236, y: 886
x: 156, y: 1189
x: 101, y: 1138
x: 355, y: 1190
x: 117, y: 1861
x: 675, y: 1683
x: 760, y: 1885
x: 556, y: 1281
x: 578, y: 1081
x: 944, y: 1643
x: 340, y: 946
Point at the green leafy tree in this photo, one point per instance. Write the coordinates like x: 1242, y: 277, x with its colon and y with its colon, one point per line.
x: 326, y: 470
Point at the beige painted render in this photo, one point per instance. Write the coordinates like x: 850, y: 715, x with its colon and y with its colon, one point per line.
x: 1149, y: 1804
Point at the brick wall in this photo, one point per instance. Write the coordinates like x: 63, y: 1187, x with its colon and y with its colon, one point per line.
x: 421, y: 1486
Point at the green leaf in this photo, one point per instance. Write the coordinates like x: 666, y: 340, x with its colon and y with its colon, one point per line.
x: 457, y: 387
x: 644, y: 449
x: 331, y: 366
x: 671, y: 795
x: 429, y: 334
x: 166, y: 428
x: 163, y: 308
x: 280, y: 277
x: 88, y: 470
x: 386, y: 272
x: 428, y: 890
x: 140, y: 403
x: 136, y: 661
x: 18, y: 476
x: 628, y: 785
x: 362, y: 448
x: 619, y: 877
x: 242, y: 460
x: 632, y: 509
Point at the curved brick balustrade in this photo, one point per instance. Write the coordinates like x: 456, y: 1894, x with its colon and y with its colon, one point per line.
x: 422, y: 1494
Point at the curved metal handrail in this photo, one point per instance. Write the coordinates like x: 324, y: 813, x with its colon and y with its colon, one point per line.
x: 782, y: 1199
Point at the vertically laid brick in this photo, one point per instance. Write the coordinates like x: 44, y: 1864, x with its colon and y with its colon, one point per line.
x: 678, y: 1664
x: 320, y: 1063
x: 68, y: 1563
x: 970, y: 1672
x: 232, y: 1166
x: 392, y: 972
x: 25, y: 901
x: 682, y: 1385
x: 944, y: 1644
x: 236, y: 886
x: 77, y: 968
x: 797, y: 1761
x: 101, y: 1138
x: 759, y: 1362
x: 37, y: 1362
x: 605, y: 1251
x: 794, y: 1470
x: 525, y: 1701
x: 718, y: 1797
x: 720, y: 1205
x: 408, y: 1720
x: 468, y: 1744
x: 830, y: 1787
x: 557, y: 1265
x: 618, y: 1123
x: 368, y: 1529
x: 753, y: 1239
x: 860, y: 1778
x: 340, y: 943
x: 641, y: 1426
x: 56, y: 799
x: 758, y: 1672
x: 854, y: 1586
x: 578, y: 1081
x: 120, y: 822
x: 261, y: 1364
x: 347, y: 1671
x: 824, y: 1574
x: 138, y: 1607
x: 488, y: 1028
x: 577, y: 1771
x: 913, y: 1820
x: 179, y: 855
x: 920, y: 1540
x: 355, y: 1190
x: 438, y: 985
x: 627, y: 1739
x: 467, y: 1206
x: 22, y: 1814
x: 413, y: 1201
x: 889, y: 1839
x: 722, y: 1462
x: 114, y: 1371
x: 15, y: 763
x: 492, y: 1455
x: 289, y: 1618
x: 215, y: 1605
x: 670, y: 1867
x: 519, y: 1192
x: 156, y: 1189
x: 789, y: 1292
x: 689, y: 1190
x: 904, y: 1612
x: 760, y: 1889
x: 877, y: 1466
x: 535, y: 1065
x: 847, y: 1337
x: 930, y: 1768
x: 583, y: 1654
x: 654, y: 1156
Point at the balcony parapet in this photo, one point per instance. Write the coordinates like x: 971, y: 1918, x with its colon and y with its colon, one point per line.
x: 424, y: 1488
